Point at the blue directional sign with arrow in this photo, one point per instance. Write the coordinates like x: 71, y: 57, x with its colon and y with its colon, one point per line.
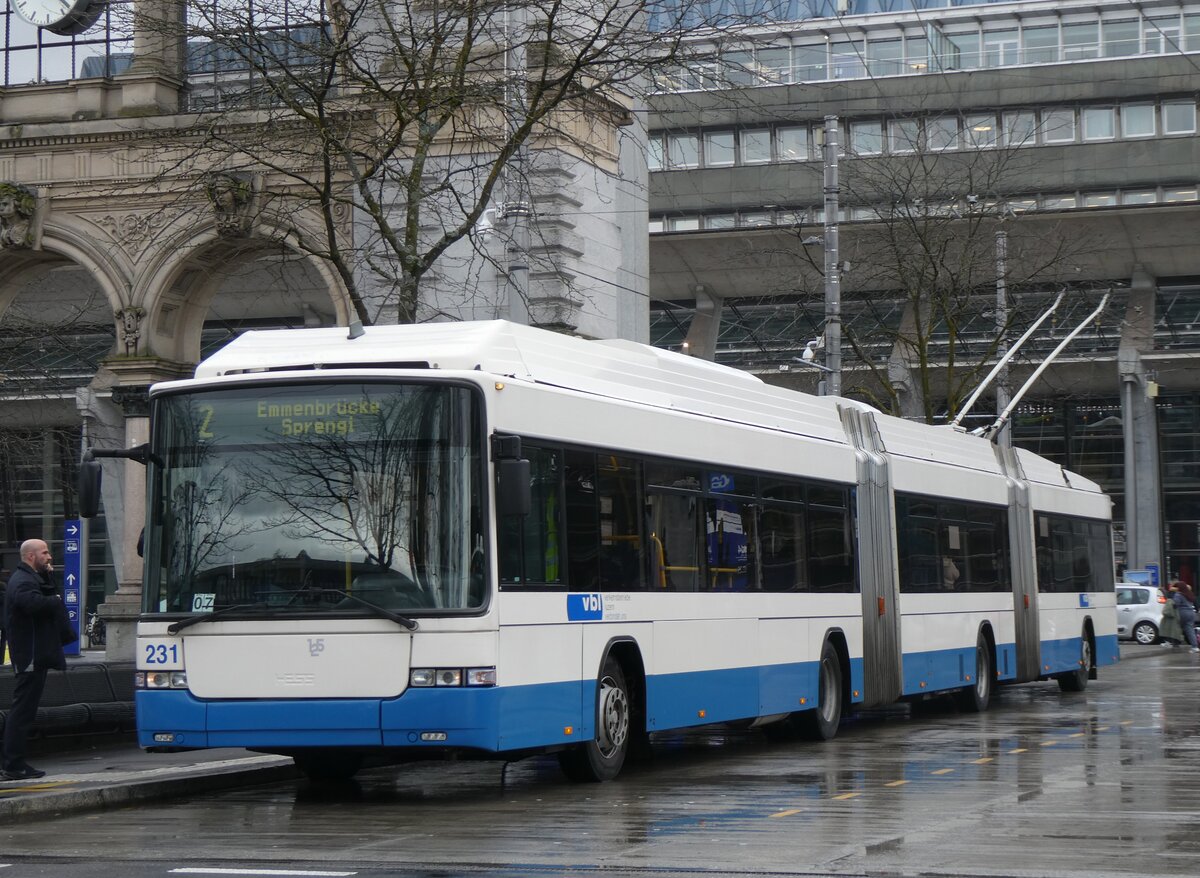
x: 72, y: 581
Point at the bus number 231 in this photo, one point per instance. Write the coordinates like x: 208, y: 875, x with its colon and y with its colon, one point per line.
x: 162, y: 654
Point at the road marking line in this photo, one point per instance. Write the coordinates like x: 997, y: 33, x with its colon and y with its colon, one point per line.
x: 943, y: 771
x: 847, y: 796
x: 1077, y: 735
x: 1048, y: 744
x: 208, y: 871
x: 1103, y: 728
x: 1127, y: 722
x: 787, y: 813
x: 895, y: 783
x: 1019, y: 750
x: 984, y: 761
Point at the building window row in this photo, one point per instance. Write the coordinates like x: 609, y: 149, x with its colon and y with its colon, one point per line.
x: 936, y: 48
x: 1047, y: 126
x: 801, y: 216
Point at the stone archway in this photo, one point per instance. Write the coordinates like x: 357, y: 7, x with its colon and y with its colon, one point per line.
x: 249, y: 282
x: 56, y: 326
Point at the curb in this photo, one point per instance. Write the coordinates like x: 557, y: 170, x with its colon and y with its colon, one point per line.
x: 195, y: 779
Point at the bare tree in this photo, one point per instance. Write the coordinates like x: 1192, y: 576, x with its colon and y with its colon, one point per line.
x: 937, y: 229
x: 402, y: 124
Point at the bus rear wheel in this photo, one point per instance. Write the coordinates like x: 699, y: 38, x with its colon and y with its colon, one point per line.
x: 1076, y: 681
x: 601, y: 758
x: 821, y: 723
x: 977, y: 697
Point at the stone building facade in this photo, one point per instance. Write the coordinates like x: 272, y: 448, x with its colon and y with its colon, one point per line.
x: 125, y: 255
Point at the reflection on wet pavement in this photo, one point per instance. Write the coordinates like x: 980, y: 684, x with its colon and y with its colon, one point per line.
x: 1045, y: 783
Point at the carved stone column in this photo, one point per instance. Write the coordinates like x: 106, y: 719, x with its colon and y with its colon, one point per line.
x: 155, y: 80
x: 121, y: 609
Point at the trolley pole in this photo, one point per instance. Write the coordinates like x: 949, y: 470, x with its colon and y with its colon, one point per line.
x: 833, y: 281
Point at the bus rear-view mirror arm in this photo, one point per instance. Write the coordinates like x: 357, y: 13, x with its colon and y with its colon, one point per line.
x: 90, y: 473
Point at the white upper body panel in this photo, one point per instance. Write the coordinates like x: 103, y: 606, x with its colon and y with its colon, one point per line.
x: 636, y: 380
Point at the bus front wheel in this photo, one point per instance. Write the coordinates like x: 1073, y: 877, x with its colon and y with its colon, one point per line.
x: 601, y: 758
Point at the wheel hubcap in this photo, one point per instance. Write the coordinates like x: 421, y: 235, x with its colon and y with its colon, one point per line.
x: 614, y: 717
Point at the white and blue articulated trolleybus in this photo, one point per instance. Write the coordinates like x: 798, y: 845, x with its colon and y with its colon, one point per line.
x: 487, y: 539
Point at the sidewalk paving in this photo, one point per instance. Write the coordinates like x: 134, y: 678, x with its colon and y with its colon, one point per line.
x: 117, y: 773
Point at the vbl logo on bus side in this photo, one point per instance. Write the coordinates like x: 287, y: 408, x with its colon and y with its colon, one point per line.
x: 585, y: 607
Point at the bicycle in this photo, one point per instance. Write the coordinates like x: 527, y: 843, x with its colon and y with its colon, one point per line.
x: 95, y: 629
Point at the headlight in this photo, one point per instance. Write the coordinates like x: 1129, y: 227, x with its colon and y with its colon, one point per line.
x: 449, y: 677
x: 422, y: 678
x: 160, y: 680
x: 481, y: 676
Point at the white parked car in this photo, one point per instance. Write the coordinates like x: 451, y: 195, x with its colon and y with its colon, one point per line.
x: 1139, y: 612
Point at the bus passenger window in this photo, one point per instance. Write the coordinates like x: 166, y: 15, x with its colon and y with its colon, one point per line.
x: 730, y: 549
x: 622, y: 560
x: 987, y: 550
x: 673, y: 525
x: 830, y: 560
x: 782, y: 547
x: 583, y: 522
x: 921, y: 565
x: 529, y: 544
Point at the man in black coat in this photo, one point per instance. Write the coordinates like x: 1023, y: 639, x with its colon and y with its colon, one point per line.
x: 37, y: 626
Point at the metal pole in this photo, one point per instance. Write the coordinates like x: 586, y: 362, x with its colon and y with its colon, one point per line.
x: 1130, y: 368
x: 833, y: 283
x: 517, y: 206
x: 1004, y: 437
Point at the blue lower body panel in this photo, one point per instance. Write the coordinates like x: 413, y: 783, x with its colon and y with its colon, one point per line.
x: 944, y: 669
x: 1059, y: 656
x: 486, y: 719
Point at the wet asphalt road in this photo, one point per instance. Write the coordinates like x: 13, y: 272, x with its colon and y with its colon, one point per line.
x: 1043, y: 784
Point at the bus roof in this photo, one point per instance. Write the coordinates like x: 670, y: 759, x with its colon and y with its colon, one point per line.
x: 613, y: 368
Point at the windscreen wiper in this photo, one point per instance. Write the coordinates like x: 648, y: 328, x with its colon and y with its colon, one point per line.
x: 403, y: 621
x: 176, y: 627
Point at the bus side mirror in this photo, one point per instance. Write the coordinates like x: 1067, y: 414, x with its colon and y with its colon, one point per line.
x: 89, y: 486
x: 514, y: 496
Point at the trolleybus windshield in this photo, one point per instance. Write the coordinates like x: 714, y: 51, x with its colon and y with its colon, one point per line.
x: 329, y: 497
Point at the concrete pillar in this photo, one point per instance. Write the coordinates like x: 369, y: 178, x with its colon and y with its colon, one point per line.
x: 702, y: 333
x: 1143, y: 489
x: 154, y: 83
x: 121, y: 609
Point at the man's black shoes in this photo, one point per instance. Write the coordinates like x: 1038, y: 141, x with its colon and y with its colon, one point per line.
x: 23, y: 771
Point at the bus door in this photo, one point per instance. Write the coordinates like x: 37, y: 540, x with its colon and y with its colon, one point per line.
x: 883, y: 680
